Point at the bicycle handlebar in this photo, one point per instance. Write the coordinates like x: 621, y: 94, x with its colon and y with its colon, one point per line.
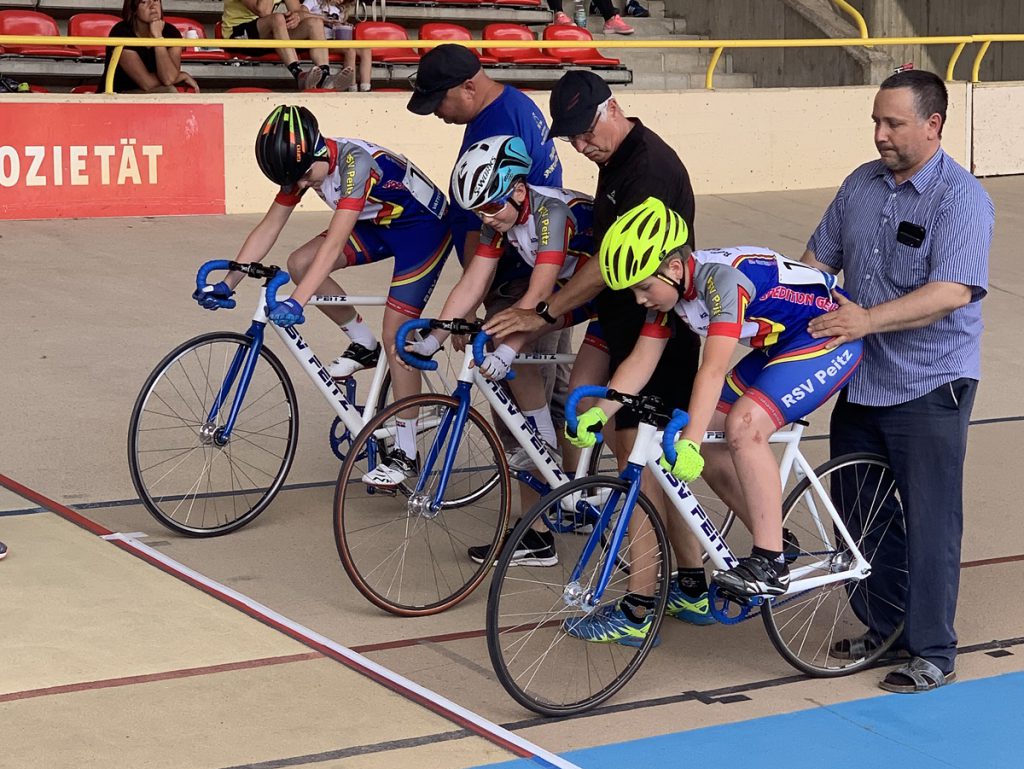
x: 586, y: 391
x: 275, y: 282
x: 206, y: 269
x: 678, y: 421
x: 401, y: 339
x: 479, y: 353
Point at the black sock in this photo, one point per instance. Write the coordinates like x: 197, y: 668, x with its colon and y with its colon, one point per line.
x: 693, y: 582
x: 774, y: 556
x: 296, y: 69
x: 636, y: 607
x: 326, y: 68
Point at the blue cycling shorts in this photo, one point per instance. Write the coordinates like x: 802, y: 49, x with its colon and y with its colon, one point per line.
x: 790, y: 380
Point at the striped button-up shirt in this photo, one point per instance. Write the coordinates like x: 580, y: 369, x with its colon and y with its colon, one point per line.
x: 858, y: 235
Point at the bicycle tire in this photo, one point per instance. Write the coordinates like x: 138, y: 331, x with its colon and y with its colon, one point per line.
x: 806, y: 627
x: 197, y: 488
x: 402, y: 556
x: 537, y: 662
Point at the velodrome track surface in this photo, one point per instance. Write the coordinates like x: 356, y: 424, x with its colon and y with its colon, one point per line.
x: 110, y: 661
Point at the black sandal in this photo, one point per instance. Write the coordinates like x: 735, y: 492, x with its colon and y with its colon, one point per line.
x: 918, y: 675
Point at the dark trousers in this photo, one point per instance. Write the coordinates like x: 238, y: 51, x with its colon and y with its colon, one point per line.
x: 916, y: 565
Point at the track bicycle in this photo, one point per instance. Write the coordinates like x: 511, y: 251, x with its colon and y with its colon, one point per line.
x: 835, y: 518
x: 405, y: 548
x: 214, y: 429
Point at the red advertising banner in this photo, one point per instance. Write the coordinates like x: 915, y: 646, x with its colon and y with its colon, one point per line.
x: 91, y: 160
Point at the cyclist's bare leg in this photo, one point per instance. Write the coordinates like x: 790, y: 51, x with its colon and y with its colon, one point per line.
x: 299, y: 262
x: 403, y: 381
x: 589, y: 368
x: 720, y: 472
x: 747, y: 429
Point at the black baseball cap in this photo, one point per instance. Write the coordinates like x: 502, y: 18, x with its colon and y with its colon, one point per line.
x: 442, y: 68
x: 574, y: 102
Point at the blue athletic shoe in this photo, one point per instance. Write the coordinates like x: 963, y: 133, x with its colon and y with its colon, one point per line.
x: 681, y: 606
x: 609, y: 624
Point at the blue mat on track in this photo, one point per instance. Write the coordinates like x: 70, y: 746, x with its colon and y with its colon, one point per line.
x: 970, y: 725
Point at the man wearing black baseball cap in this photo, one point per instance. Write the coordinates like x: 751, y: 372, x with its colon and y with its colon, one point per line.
x: 440, y: 70
x: 635, y: 163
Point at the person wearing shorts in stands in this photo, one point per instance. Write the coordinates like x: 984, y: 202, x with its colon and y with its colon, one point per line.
x: 727, y: 295
x: 257, y: 20
x: 384, y: 208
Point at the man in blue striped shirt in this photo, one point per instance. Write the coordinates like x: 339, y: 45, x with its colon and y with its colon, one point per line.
x: 911, y: 233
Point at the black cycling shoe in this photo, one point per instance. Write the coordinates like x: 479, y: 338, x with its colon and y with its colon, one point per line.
x: 536, y: 548
x: 354, y: 359
x: 753, y: 576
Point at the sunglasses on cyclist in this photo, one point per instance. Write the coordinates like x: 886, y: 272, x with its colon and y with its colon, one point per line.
x: 493, y: 208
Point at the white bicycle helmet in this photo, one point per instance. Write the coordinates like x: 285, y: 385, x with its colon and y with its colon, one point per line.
x: 488, y: 170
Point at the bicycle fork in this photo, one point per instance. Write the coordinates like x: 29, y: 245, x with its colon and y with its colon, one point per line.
x: 244, y: 362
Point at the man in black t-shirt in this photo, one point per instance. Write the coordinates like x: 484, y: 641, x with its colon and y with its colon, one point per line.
x: 635, y: 163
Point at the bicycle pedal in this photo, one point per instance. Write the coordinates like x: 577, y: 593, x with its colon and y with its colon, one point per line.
x: 386, y: 491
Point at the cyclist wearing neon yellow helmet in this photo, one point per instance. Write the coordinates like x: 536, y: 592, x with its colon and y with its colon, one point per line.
x: 728, y: 295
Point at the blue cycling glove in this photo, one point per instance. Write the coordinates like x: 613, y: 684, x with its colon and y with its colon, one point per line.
x: 215, y: 297
x: 287, y: 313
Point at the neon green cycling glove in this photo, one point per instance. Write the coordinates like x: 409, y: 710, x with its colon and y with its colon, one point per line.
x: 591, y: 422
x: 689, y: 462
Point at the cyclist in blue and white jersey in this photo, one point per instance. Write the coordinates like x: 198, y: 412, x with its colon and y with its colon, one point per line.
x: 384, y: 208
x: 730, y: 295
x: 549, y: 229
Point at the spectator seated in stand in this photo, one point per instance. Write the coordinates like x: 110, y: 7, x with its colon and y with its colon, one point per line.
x: 335, y: 14
x: 146, y: 69
x: 256, y: 20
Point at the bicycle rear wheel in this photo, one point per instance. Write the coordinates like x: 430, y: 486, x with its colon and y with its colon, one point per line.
x: 403, y: 553
x: 538, y: 663
x: 185, y: 479
x: 813, y: 629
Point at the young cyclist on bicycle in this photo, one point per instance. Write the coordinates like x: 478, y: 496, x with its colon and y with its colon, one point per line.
x: 550, y: 230
x: 383, y: 207
x: 728, y: 295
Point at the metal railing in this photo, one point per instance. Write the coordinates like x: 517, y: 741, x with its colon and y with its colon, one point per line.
x: 717, y: 46
x: 854, y: 14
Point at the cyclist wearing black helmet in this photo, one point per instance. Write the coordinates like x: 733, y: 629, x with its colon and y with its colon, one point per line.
x: 384, y: 207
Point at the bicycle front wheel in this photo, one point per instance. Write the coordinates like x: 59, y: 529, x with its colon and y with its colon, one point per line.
x: 530, y: 608
x: 817, y: 630
x: 406, y: 550
x: 184, y: 476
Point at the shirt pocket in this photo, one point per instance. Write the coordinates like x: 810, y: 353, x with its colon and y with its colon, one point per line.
x: 908, y: 267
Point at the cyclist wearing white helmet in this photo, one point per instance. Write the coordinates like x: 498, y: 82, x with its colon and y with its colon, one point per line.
x: 549, y: 229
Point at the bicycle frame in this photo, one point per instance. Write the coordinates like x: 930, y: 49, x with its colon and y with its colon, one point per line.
x: 505, y: 407
x: 244, y: 363
x: 647, y: 450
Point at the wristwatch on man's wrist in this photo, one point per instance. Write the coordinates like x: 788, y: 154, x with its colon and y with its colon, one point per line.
x: 542, y: 310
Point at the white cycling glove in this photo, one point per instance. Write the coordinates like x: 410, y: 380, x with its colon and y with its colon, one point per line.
x: 425, y: 347
x: 497, y: 364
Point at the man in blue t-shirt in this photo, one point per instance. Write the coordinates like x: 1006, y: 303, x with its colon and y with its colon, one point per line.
x: 451, y: 84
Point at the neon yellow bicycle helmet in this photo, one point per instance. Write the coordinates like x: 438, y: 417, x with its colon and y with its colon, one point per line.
x: 638, y: 241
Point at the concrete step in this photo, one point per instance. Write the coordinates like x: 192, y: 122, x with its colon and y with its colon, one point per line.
x: 660, y: 60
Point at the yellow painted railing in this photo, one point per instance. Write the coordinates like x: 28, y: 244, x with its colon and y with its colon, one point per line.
x: 717, y: 46
x: 854, y: 14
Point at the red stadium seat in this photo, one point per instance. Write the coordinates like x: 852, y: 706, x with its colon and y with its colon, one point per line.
x: 589, y: 57
x: 92, y: 25
x: 246, y: 89
x: 33, y: 23
x: 458, y: 2
x: 505, y: 31
x: 195, y: 54
x: 441, y: 30
x: 516, y: 2
x: 385, y: 30
x: 85, y: 89
x: 37, y: 89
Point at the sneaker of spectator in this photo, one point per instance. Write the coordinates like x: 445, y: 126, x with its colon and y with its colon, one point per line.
x: 633, y: 8
x: 240, y: 21
x: 616, y: 26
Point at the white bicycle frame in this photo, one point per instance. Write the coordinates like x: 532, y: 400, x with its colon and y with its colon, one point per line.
x: 316, y: 371
x: 647, y: 451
